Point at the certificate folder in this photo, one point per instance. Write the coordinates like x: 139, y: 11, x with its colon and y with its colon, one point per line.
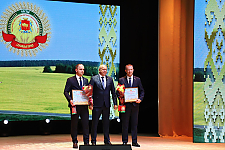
x: 131, y: 94
x: 79, y: 97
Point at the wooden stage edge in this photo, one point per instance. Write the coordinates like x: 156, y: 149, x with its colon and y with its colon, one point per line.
x: 63, y: 142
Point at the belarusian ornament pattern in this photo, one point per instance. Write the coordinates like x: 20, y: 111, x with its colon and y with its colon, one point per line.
x: 107, y: 47
x: 214, y: 86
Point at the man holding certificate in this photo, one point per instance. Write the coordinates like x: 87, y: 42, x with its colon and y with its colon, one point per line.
x: 75, y: 84
x: 133, y: 95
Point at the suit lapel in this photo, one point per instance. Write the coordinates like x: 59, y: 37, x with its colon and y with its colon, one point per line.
x: 99, y: 83
x: 76, y: 83
x: 107, y: 81
x: 85, y: 82
x: 134, y: 82
x: 125, y: 81
x: 127, y: 84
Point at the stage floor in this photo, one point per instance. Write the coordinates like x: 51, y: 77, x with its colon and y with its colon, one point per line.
x: 63, y: 142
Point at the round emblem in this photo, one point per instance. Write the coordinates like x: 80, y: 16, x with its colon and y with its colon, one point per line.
x: 25, y: 29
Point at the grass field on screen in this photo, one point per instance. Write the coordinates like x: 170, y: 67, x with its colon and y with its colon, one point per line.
x: 28, y: 89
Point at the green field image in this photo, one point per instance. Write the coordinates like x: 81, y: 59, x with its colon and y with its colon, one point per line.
x: 199, y: 109
x: 28, y: 89
x: 199, y: 104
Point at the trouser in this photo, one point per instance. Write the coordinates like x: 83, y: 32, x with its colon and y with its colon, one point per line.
x: 131, y: 112
x: 82, y: 111
x: 96, y: 113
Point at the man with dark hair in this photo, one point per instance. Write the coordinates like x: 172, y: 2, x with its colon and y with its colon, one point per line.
x: 76, y: 83
x: 132, y: 109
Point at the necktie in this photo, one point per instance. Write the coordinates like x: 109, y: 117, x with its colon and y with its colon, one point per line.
x: 103, y: 83
x: 130, y: 82
x: 81, y: 83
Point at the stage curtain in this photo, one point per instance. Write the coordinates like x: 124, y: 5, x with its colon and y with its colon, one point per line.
x: 175, y: 67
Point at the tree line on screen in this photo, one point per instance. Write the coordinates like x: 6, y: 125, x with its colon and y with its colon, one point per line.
x: 90, y: 70
x: 200, y: 75
x: 35, y: 63
x: 62, y: 66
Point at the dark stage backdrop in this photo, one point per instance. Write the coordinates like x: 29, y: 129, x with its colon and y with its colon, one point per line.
x: 139, y: 46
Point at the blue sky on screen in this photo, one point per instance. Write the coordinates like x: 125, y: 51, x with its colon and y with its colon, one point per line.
x: 200, y: 46
x: 74, y: 28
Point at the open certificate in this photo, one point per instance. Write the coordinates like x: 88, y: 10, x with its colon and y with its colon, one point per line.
x: 131, y: 94
x: 79, y: 97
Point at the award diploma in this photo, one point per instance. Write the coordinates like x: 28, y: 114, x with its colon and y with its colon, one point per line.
x: 79, y: 97
x: 131, y: 94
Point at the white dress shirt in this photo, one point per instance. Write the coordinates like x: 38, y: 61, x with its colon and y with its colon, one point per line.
x: 131, y: 80
x: 104, y: 77
x: 78, y: 79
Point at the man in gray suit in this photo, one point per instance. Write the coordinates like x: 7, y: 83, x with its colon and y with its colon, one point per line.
x: 102, y: 86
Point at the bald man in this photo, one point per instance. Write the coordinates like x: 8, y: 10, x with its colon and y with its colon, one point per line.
x: 102, y: 86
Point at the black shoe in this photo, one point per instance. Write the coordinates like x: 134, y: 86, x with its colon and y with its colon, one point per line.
x: 93, y: 143
x: 109, y: 143
x: 86, y: 144
x: 75, y: 145
x: 124, y: 143
x: 136, y: 145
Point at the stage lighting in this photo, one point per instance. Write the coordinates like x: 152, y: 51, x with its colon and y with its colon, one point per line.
x: 47, y: 120
x: 5, y: 128
x: 118, y: 120
x: 45, y: 126
x: 5, y: 122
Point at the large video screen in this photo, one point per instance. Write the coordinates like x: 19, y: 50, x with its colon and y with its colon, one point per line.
x: 209, y: 71
x: 41, y: 42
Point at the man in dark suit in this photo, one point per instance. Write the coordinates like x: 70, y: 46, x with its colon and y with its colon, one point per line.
x: 102, y: 86
x: 132, y: 109
x: 76, y: 83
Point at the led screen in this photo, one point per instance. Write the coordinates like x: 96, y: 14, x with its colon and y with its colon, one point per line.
x: 41, y: 42
x: 209, y: 71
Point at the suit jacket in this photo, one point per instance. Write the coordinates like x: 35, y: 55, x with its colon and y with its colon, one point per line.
x: 101, y: 95
x: 136, y: 83
x: 72, y: 84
